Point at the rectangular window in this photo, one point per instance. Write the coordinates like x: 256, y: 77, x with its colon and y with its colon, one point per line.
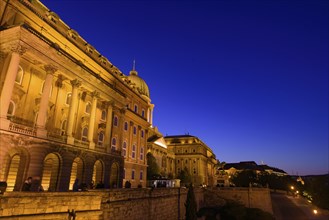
x: 133, y: 174
x: 133, y: 153
x: 142, y: 154
x: 141, y: 175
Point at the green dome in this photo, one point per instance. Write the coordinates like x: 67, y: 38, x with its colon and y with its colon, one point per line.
x: 138, y: 83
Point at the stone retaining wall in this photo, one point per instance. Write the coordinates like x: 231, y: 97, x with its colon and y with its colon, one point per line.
x: 122, y: 204
x: 250, y: 197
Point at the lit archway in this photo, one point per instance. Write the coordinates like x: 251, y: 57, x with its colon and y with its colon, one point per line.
x: 12, y: 172
x: 76, y: 171
x: 98, y: 172
x: 50, y: 173
x: 114, y: 177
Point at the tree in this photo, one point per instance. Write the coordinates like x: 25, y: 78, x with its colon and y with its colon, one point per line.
x: 190, y: 205
x: 244, y: 178
x: 185, y: 177
x: 152, y: 167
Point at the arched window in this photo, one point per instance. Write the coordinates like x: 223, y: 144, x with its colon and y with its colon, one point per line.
x: 103, y: 115
x: 125, y: 127
x: 19, y: 76
x: 135, y: 130
x: 63, y: 127
x: 124, y: 149
x: 11, y: 109
x: 136, y: 108
x: 88, y: 108
x: 142, y: 133
x: 68, y: 98
x: 100, y: 138
x: 114, y: 143
x: 84, y: 136
x: 115, y: 121
x: 143, y: 113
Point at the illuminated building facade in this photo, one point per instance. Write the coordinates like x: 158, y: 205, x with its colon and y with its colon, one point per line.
x: 195, y: 156
x: 66, y: 111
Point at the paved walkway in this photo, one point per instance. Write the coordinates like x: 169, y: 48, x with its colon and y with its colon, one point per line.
x: 294, y: 208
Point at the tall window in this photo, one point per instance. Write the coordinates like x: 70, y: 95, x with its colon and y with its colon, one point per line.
x: 115, y: 121
x: 133, y: 174
x: 84, y: 136
x: 114, y: 143
x: 88, y: 107
x: 63, y: 127
x: 125, y: 127
x: 142, y: 133
x: 135, y: 130
x: 141, y: 175
x: 19, y: 76
x: 133, y: 152
x: 124, y: 149
x: 68, y: 98
x: 100, y: 138
x: 142, y: 153
x: 11, y: 109
x: 136, y: 108
x: 103, y: 115
x: 143, y: 113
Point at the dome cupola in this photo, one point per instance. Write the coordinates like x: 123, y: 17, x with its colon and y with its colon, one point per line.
x: 138, y: 82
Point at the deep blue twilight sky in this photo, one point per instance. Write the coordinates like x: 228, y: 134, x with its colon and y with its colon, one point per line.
x: 249, y: 78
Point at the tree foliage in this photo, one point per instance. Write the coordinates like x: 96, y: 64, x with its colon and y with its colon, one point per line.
x: 185, y: 177
x: 244, y: 178
x: 190, y: 205
x: 153, y: 169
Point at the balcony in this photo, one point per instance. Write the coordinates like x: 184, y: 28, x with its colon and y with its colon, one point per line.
x: 22, y: 129
x: 80, y: 143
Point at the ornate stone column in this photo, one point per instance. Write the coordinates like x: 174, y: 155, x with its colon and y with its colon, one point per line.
x: 72, y: 111
x: 9, y: 82
x: 151, y: 115
x: 95, y: 96
x: 42, y: 114
x: 108, y: 128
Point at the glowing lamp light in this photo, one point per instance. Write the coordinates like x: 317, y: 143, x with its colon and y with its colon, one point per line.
x: 292, y: 187
x: 315, y: 211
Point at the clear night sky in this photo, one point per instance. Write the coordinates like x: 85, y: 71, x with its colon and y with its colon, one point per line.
x: 249, y: 78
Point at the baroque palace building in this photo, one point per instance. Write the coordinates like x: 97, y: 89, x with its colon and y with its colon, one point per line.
x: 194, y: 156
x: 66, y: 111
